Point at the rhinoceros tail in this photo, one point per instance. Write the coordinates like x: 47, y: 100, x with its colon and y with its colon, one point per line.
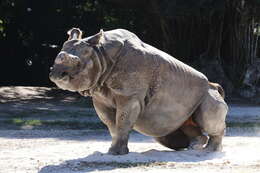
x: 219, y: 88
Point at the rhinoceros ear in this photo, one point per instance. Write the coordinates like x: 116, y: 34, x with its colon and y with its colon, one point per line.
x: 74, y: 33
x: 95, y: 39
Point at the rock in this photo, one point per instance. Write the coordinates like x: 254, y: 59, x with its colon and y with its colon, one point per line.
x: 251, y: 82
x: 247, y: 92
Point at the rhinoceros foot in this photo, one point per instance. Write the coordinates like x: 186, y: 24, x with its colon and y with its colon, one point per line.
x: 198, y: 143
x: 118, y: 150
x: 214, y: 144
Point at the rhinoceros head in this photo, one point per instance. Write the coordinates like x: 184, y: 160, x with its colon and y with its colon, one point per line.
x: 75, y: 67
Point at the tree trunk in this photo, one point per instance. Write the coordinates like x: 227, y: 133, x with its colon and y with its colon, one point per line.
x: 215, y: 36
x: 239, y: 43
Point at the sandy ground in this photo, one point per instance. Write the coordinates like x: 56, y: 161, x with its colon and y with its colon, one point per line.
x: 70, y: 151
x: 57, y: 150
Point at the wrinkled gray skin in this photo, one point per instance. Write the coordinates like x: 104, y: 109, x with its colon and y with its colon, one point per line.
x: 136, y: 86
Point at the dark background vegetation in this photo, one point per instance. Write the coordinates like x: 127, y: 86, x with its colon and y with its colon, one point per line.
x: 217, y: 37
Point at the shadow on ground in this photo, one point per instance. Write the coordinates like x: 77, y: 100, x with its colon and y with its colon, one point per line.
x: 17, y: 94
x: 151, y: 158
x: 38, y: 108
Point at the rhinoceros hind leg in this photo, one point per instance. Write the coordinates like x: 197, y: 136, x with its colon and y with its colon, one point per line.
x: 197, y: 139
x: 210, y: 116
x: 176, y: 140
x: 198, y: 143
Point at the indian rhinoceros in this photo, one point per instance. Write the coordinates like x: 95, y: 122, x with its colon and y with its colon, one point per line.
x: 136, y: 86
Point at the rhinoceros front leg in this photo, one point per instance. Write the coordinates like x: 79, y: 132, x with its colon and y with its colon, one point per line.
x: 119, y: 121
x: 126, y: 116
x: 210, y: 116
x: 107, y: 115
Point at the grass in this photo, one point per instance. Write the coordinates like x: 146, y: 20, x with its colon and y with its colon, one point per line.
x: 243, y: 124
x: 18, y: 121
x: 66, y: 119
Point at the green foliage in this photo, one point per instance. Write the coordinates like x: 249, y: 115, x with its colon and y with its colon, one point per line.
x: 2, y: 28
x: 18, y: 121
